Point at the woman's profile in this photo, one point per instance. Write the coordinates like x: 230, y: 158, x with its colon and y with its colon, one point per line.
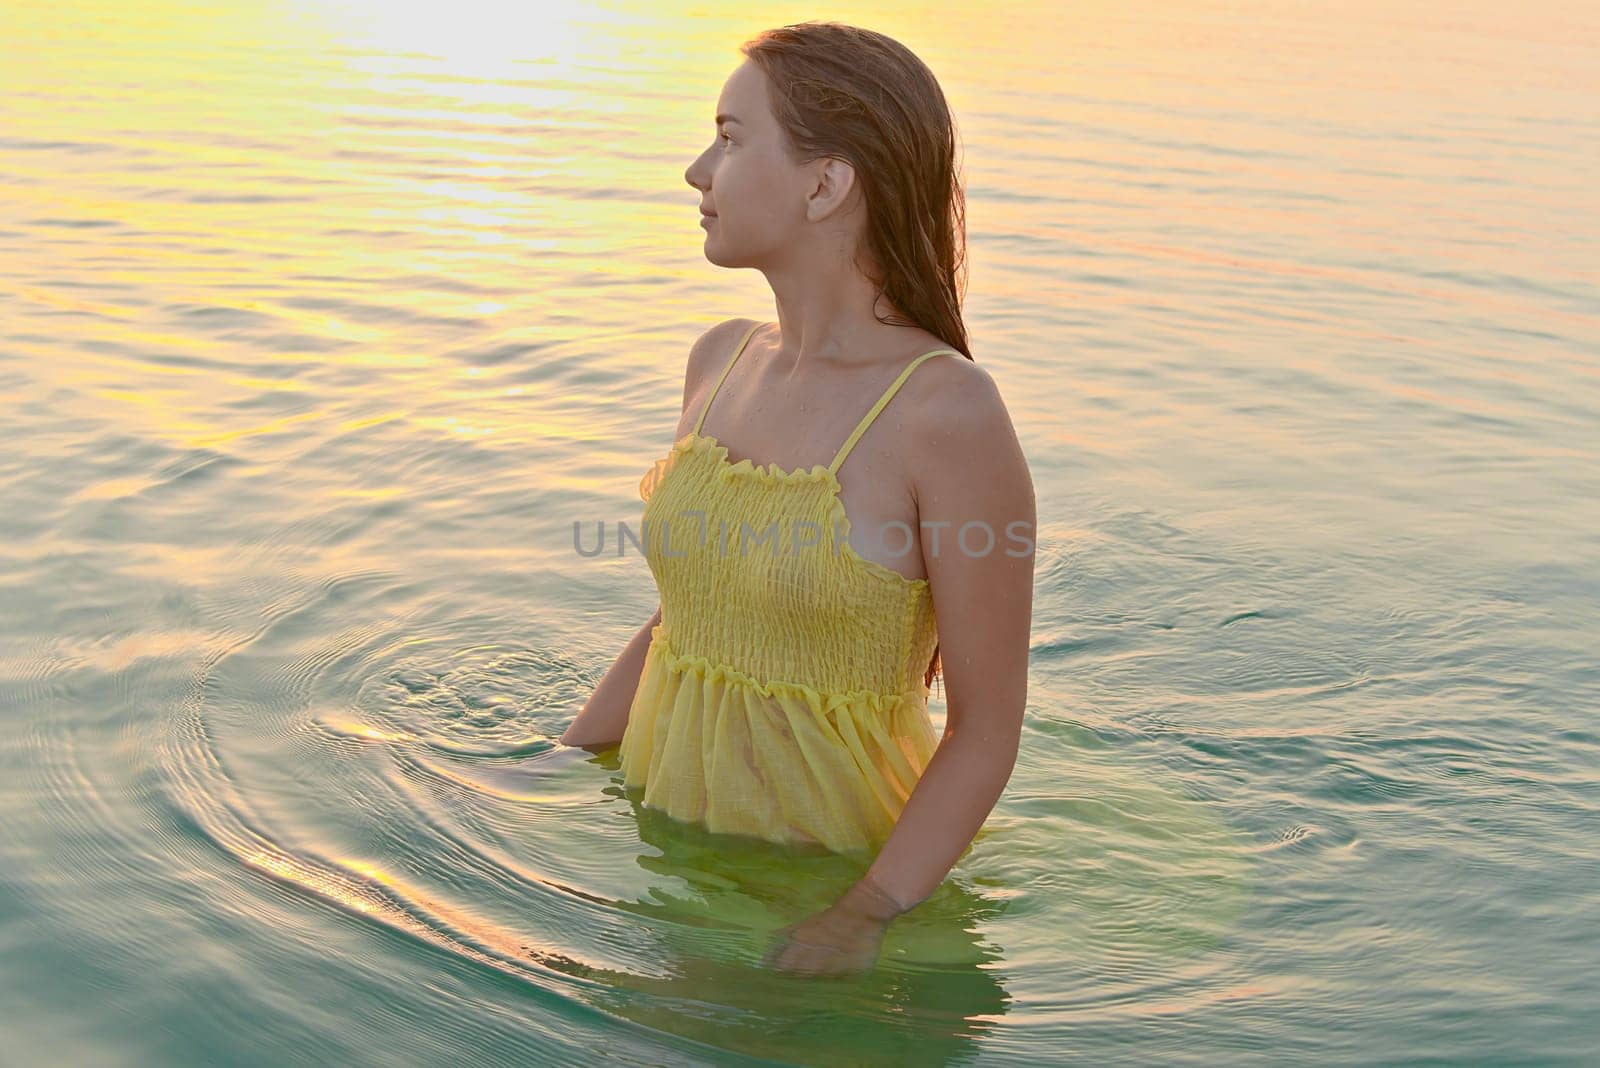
x: 845, y: 512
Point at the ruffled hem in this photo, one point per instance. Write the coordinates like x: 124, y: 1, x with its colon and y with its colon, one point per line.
x: 712, y: 745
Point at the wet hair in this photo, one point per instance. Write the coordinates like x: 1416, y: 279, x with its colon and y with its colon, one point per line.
x: 853, y: 94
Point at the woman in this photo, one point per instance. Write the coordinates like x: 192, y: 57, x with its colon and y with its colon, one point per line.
x: 780, y: 688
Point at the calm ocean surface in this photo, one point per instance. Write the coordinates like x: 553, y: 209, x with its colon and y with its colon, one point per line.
x: 322, y: 323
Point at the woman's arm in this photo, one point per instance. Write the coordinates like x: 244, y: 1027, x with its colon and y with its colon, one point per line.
x: 604, y: 716
x: 971, y: 479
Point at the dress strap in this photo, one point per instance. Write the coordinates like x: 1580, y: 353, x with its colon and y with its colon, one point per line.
x: 728, y: 367
x: 872, y: 413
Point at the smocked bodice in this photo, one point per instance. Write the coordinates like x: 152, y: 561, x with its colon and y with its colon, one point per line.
x: 756, y: 571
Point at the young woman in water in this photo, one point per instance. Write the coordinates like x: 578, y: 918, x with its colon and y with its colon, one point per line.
x: 806, y: 605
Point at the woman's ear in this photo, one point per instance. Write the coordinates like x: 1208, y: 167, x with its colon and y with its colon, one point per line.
x: 835, y: 186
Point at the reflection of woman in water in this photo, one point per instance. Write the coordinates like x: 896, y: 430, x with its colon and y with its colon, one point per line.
x: 780, y: 689
x: 939, y: 989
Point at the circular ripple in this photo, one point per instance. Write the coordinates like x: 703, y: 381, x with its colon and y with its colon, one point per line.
x: 483, y: 700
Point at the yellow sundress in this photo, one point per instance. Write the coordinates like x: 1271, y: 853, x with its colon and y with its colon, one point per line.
x: 782, y: 693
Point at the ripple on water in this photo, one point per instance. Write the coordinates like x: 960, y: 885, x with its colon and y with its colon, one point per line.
x: 483, y: 700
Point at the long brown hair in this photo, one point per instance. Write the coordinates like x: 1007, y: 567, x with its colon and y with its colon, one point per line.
x: 853, y: 94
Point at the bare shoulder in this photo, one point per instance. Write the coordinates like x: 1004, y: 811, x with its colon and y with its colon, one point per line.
x: 709, y: 353
x: 976, y: 508
x: 707, y: 356
x: 966, y: 443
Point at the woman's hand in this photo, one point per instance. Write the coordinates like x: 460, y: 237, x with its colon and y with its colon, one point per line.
x: 842, y: 939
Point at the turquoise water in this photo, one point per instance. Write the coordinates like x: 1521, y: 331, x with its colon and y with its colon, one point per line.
x: 324, y: 322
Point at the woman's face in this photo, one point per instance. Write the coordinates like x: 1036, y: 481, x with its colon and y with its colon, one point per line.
x: 747, y: 178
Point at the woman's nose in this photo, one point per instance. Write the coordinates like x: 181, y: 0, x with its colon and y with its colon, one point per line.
x: 690, y: 175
